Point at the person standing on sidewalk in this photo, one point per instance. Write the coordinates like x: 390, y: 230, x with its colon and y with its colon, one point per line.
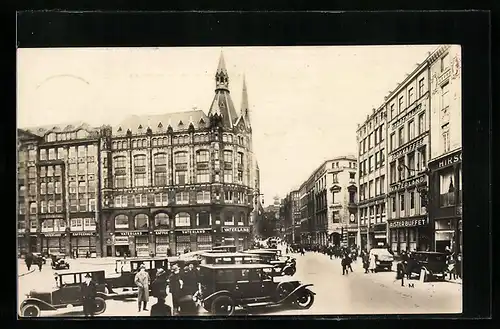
x: 89, y: 292
x: 142, y: 281
x: 29, y: 260
x: 175, y: 287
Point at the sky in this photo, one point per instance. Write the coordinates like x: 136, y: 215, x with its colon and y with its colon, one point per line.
x: 305, y: 102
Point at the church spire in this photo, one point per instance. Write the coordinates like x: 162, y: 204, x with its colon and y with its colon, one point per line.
x: 245, y: 110
x: 221, y: 76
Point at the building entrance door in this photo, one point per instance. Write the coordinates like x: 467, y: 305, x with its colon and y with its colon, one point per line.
x: 122, y: 251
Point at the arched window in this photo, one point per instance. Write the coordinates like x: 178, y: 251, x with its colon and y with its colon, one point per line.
x: 230, y: 138
x: 162, y: 220
x: 176, y: 140
x: 144, y: 143
x: 182, y: 219
x: 224, y: 138
x: 165, y: 141
x: 141, y: 222
x: 186, y: 139
x: 134, y: 143
x: 121, y: 222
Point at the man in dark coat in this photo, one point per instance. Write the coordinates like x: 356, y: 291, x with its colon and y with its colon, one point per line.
x: 29, y: 260
x: 88, y: 295
x: 159, y: 284
x: 160, y: 308
x: 191, y: 280
x: 175, y: 286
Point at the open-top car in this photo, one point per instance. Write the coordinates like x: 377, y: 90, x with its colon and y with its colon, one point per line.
x: 122, y: 281
x: 282, y: 266
x: 58, y: 261
x: 66, y: 291
x: 229, y: 258
x: 224, y: 287
x: 429, y: 264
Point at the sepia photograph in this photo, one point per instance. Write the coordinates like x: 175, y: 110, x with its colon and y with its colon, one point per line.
x: 239, y: 180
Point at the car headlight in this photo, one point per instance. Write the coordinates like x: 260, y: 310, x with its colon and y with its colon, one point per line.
x: 377, y: 262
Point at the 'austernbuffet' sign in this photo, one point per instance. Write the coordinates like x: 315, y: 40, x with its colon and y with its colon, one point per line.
x: 408, y: 223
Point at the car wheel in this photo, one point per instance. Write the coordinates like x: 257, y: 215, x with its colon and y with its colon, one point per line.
x: 305, y: 299
x: 30, y: 311
x: 222, y: 305
x: 100, y: 305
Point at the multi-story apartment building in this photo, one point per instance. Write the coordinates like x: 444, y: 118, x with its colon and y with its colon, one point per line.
x: 292, y: 216
x: 58, y: 187
x: 445, y: 164
x: 177, y: 181
x: 328, y: 202
x: 372, y: 155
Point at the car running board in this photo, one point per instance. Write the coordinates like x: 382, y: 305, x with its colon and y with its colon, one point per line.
x: 259, y: 304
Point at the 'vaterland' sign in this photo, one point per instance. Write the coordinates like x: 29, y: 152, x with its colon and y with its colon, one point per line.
x: 235, y: 229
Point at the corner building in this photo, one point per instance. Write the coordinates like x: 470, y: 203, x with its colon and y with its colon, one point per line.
x: 445, y: 199
x: 179, y: 181
x: 408, y: 108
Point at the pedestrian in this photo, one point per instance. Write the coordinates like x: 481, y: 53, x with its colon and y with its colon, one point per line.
x: 191, y: 280
x: 88, y: 290
x: 451, y: 267
x: 175, y: 287
x: 160, y: 308
x: 343, y: 262
x: 302, y: 251
x: 372, y: 263
x: 28, y: 260
x: 287, y: 250
x: 366, y: 261
x: 142, y: 281
x: 39, y: 262
x: 159, y: 284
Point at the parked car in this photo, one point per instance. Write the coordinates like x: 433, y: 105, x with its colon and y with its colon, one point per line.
x: 228, y: 248
x: 66, y: 291
x: 121, y: 283
x: 38, y: 256
x: 383, y: 259
x: 226, y: 286
x: 229, y: 258
x: 282, y: 266
x: 59, y: 261
x: 432, y: 265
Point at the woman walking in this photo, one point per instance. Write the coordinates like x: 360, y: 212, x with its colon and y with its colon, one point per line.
x: 372, y: 265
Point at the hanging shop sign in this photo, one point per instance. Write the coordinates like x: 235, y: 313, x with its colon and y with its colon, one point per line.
x: 132, y: 233
x: 408, y: 223
x: 408, y: 183
x: 236, y: 229
x: 82, y: 233
x: 193, y: 231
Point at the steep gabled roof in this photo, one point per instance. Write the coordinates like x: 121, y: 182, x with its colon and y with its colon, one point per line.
x: 62, y: 127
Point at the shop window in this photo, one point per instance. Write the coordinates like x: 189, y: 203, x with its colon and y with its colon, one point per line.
x: 121, y: 222
x: 182, y: 219
x: 141, y: 222
x: 447, y: 189
x: 162, y: 220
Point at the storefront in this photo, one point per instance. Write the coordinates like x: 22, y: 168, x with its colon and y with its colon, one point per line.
x: 53, y: 243
x: 445, y: 202
x: 83, y: 244
x: 411, y: 234
x: 236, y: 236
x: 204, y: 240
x: 22, y: 244
x: 182, y: 241
x: 121, y: 246
x: 132, y: 243
x: 162, y: 242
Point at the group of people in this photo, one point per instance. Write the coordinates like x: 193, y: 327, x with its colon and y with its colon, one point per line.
x: 31, y: 260
x: 183, y: 285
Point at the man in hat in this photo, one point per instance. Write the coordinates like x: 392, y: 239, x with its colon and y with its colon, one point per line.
x: 88, y: 295
x: 142, y: 281
x: 159, y: 284
x: 175, y: 285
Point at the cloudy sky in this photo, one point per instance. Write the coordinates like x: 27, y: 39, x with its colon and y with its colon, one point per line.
x: 306, y: 102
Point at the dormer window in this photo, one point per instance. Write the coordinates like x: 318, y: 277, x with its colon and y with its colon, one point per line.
x: 119, y: 129
x: 160, y: 126
x: 202, y: 122
x: 180, y: 123
x: 140, y: 127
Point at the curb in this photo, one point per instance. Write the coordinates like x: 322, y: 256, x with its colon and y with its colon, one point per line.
x: 23, y: 274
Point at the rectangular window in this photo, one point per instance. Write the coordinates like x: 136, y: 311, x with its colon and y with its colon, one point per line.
x: 393, y: 204
x: 393, y: 172
x: 120, y: 181
x: 377, y: 186
x: 120, y: 162
x: 382, y: 158
x: 118, y: 201
x: 370, y: 189
x: 240, y: 176
x: 31, y: 155
x: 411, y: 163
x: 180, y: 177
x: 228, y: 156
x: 83, y: 204
x: 445, y: 96
x: 421, y: 87
x: 410, y: 96
x: 203, y: 197
x: 370, y: 141
x: 401, y: 136
x: 360, y: 149
x: 43, y: 188
x: 381, y: 133
x: 446, y: 138
x: 411, y: 130
x: 402, y: 202
x: 182, y: 198
x: 377, y: 161
x: 180, y: 157
x: 444, y: 62
x: 43, y: 154
x: 370, y: 163
x: 382, y: 184
x: 140, y: 179
x: 393, y: 142
x: 57, y: 171
x: 421, y: 123
x: 393, y: 112
x: 50, y: 188
x: 32, y: 172
x: 240, y: 158
x: 59, y: 206
x: 52, y: 154
x: 412, y: 200
x: 72, y: 169
x: 401, y: 104
x: 228, y: 196
x: 73, y: 205
x: 161, y: 179
x: 401, y: 169
x: 447, y: 189
x: 228, y: 177
x: 43, y: 207
x: 203, y: 176
x: 202, y: 156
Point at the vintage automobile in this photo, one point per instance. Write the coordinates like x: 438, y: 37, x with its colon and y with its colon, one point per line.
x: 383, y: 259
x: 285, y: 266
x: 272, y: 243
x: 229, y: 258
x: 58, y: 261
x: 122, y: 281
x: 429, y: 264
x: 66, y: 291
x: 228, y: 248
x: 226, y: 286
x: 37, y: 256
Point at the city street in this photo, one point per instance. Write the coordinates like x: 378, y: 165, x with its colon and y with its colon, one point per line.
x: 356, y: 293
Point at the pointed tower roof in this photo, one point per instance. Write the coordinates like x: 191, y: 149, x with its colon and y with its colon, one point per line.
x: 222, y: 104
x: 245, y: 110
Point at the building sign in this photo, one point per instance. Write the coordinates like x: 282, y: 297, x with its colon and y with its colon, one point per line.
x: 407, y: 183
x: 120, y: 240
x: 132, y: 233
x: 407, y: 116
x: 236, y: 229
x: 50, y: 235
x: 408, y: 148
x: 162, y: 232
x: 408, y: 223
x: 51, y: 216
x: 193, y: 231
x: 446, y: 161
x: 82, y: 233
